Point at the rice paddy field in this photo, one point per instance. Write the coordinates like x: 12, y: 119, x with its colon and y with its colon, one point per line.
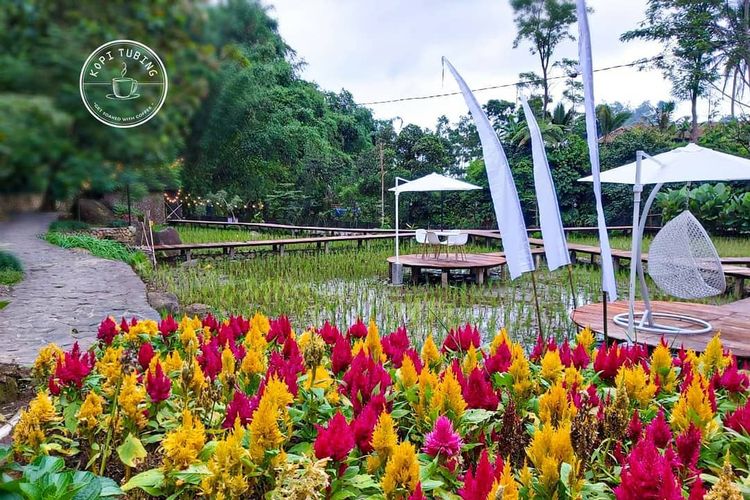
x: 311, y: 287
x: 726, y: 246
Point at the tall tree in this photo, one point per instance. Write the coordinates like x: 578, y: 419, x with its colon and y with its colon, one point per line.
x: 734, y: 48
x: 610, y: 120
x: 544, y: 24
x: 687, y: 30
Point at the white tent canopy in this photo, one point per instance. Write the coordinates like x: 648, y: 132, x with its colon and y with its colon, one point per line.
x: 430, y: 182
x: 434, y: 182
x: 689, y: 163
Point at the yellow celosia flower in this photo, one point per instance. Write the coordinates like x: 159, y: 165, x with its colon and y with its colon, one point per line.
x: 30, y: 428
x: 358, y: 346
x: 713, y: 360
x: 182, y: 445
x: 586, y: 338
x: 549, y: 448
x: 255, y: 340
x: 173, y: 363
x: 322, y: 378
x: 91, y: 409
x: 305, y: 338
x: 694, y: 406
x: 228, y: 478
x: 470, y: 361
x: 261, y: 322
x: 661, y: 366
x: 508, y: 483
x: 500, y: 339
x: 197, y: 379
x: 265, y: 434
x: 572, y: 377
x: 110, y: 367
x: 428, y: 381
x: 333, y: 396
x: 187, y: 322
x: 521, y: 373
x: 430, y: 353
x: 132, y: 396
x: 407, y: 374
x: 447, y: 399
x: 143, y: 327
x: 401, y: 471
x: 372, y: 343
x: 384, y: 437
x: 253, y: 363
x: 552, y: 366
x: 525, y: 475
x: 46, y: 360
x: 189, y: 339
x: 228, y: 364
x: 554, y: 406
x: 636, y: 384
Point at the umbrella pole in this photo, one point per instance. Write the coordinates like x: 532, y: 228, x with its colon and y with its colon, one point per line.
x: 635, y: 252
x: 442, y: 210
x: 536, y: 305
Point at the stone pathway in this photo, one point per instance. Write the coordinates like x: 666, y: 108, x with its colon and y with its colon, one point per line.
x: 65, y: 294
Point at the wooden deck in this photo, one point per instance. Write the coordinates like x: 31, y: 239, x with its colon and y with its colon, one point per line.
x: 732, y: 320
x: 477, y: 263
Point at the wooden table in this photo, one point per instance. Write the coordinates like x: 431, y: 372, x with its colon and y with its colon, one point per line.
x: 478, y: 263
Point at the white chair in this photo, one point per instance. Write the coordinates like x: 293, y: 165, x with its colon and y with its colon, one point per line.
x: 434, y: 240
x: 459, y: 242
x: 421, y: 236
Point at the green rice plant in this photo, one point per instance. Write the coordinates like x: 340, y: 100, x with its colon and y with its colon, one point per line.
x: 107, y: 249
x: 726, y: 246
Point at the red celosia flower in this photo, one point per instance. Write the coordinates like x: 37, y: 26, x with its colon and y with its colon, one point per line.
x: 341, y: 355
x: 442, y: 440
x: 697, y: 491
x: 107, y: 331
x: 580, y: 357
x: 566, y: 355
x: 54, y: 389
x: 593, y: 396
x: 226, y: 335
x: 168, y: 326
x: 538, y: 350
x: 478, y: 484
x: 280, y: 331
x: 210, y: 359
x: 329, y: 333
x: 462, y: 339
x: 241, y: 407
x: 608, y: 361
x: 357, y: 330
x: 658, y: 431
x: 286, y: 369
x: 733, y: 380
x: 335, y: 440
x: 739, y: 420
x: 158, y: 385
x: 395, y: 345
x: 239, y: 325
x: 500, y: 361
x: 73, y: 366
x: 124, y: 326
x: 646, y: 473
x: 478, y: 392
x: 363, y: 426
x: 363, y: 376
x: 210, y: 322
x: 635, y: 427
x: 688, y: 446
x: 145, y: 354
x: 417, y: 494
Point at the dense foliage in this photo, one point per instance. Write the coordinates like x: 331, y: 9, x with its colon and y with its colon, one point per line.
x: 247, y: 407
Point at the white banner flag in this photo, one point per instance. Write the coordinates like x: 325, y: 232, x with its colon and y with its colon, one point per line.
x: 555, y: 245
x: 584, y: 55
x: 504, y: 196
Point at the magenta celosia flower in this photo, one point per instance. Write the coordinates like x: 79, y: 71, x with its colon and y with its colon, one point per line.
x: 697, y: 491
x: 566, y: 354
x: 361, y: 380
x: 335, y: 440
x: 74, y: 366
x: 478, y: 393
x: 158, y: 385
x: 329, y: 333
x: 241, y: 407
x: 239, y: 325
x: 733, y: 380
x: 107, y: 331
x: 593, y: 396
x: 53, y: 387
x: 124, y: 326
x: 538, y: 350
x: 145, y: 354
x: 646, y: 473
x: 417, y: 494
x: 462, y: 339
x: 658, y: 431
x: 739, y: 419
x: 168, y: 326
x: 341, y: 355
x: 500, y: 361
x: 395, y: 345
x: 688, y: 446
x: 442, y: 440
x: 287, y: 370
x: 210, y: 322
x: 580, y: 357
x: 358, y: 330
x: 210, y: 359
x: 608, y: 361
x: 280, y: 330
x: 363, y: 426
x: 635, y: 427
x: 226, y: 335
x: 479, y: 483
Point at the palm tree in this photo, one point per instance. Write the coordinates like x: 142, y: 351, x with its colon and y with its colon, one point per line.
x: 609, y: 121
x: 663, y: 115
x: 563, y: 117
x: 734, y: 49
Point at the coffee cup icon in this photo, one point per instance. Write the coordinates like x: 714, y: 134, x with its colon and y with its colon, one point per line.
x: 124, y: 88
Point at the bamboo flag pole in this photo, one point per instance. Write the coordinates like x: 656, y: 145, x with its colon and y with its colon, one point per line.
x: 536, y: 305
x: 572, y: 286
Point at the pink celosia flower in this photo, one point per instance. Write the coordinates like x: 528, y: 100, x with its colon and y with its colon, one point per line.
x: 580, y: 357
x: 538, y: 350
x: 733, y: 380
x: 329, y: 333
x: 124, y: 326
x: 395, y: 345
x: 415, y: 359
x: 442, y: 440
x: 74, y: 366
x: 635, y: 427
x: 478, y: 393
x: 158, y: 385
x: 479, y: 483
x: 417, y: 494
x: 462, y: 339
x: 500, y: 361
x: 688, y: 446
x: 280, y: 330
x: 739, y: 420
x: 335, y: 440
x: 107, y: 331
x: 241, y: 407
x: 226, y: 335
x: 210, y: 322
x: 361, y: 380
x: 168, y: 326
x: 608, y: 361
x: 358, y: 330
x: 697, y: 491
x: 145, y: 354
x: 647, y: 474
x: 54, y: 389
x: 341, y: 355
x: 566, y: 355
x: 363, y: 426
x: 210, y: 359
x: 658, y: 431
x: 287, y: 365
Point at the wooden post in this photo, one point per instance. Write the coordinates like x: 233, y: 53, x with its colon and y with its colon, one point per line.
x: 444, y: 277
x: 281, y: 249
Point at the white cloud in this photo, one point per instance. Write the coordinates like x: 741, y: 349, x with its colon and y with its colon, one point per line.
x: 388, y: 49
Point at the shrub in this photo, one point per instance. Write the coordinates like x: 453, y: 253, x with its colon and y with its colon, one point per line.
x: 68, y: 226
x: 719, y: 209
x: 11, y: 270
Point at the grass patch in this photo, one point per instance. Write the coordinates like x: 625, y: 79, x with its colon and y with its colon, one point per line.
x: 68, y: 226
x: 197, y: 234
x: 3, y: 303
x: 11, y: 270
x: 106, y: 249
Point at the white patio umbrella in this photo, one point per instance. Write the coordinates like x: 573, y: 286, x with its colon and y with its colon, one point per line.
x: 430, y: 182
x: 689, y: 163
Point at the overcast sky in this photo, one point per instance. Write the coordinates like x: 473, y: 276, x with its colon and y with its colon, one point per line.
x: 385, y: 49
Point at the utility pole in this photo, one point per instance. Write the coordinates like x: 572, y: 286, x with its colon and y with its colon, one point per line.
x: 382, y: 186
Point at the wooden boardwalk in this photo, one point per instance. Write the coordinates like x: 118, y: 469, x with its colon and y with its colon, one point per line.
x: 731, y: 320
x: 477, y: 263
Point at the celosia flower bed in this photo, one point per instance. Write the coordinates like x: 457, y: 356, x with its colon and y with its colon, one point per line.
x: 247, y: 408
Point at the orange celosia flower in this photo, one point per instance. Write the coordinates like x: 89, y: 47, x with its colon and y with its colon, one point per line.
x: 430, y: 353
x: 448, y: 399
x: 401, y: 471
x: 408, y: 373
